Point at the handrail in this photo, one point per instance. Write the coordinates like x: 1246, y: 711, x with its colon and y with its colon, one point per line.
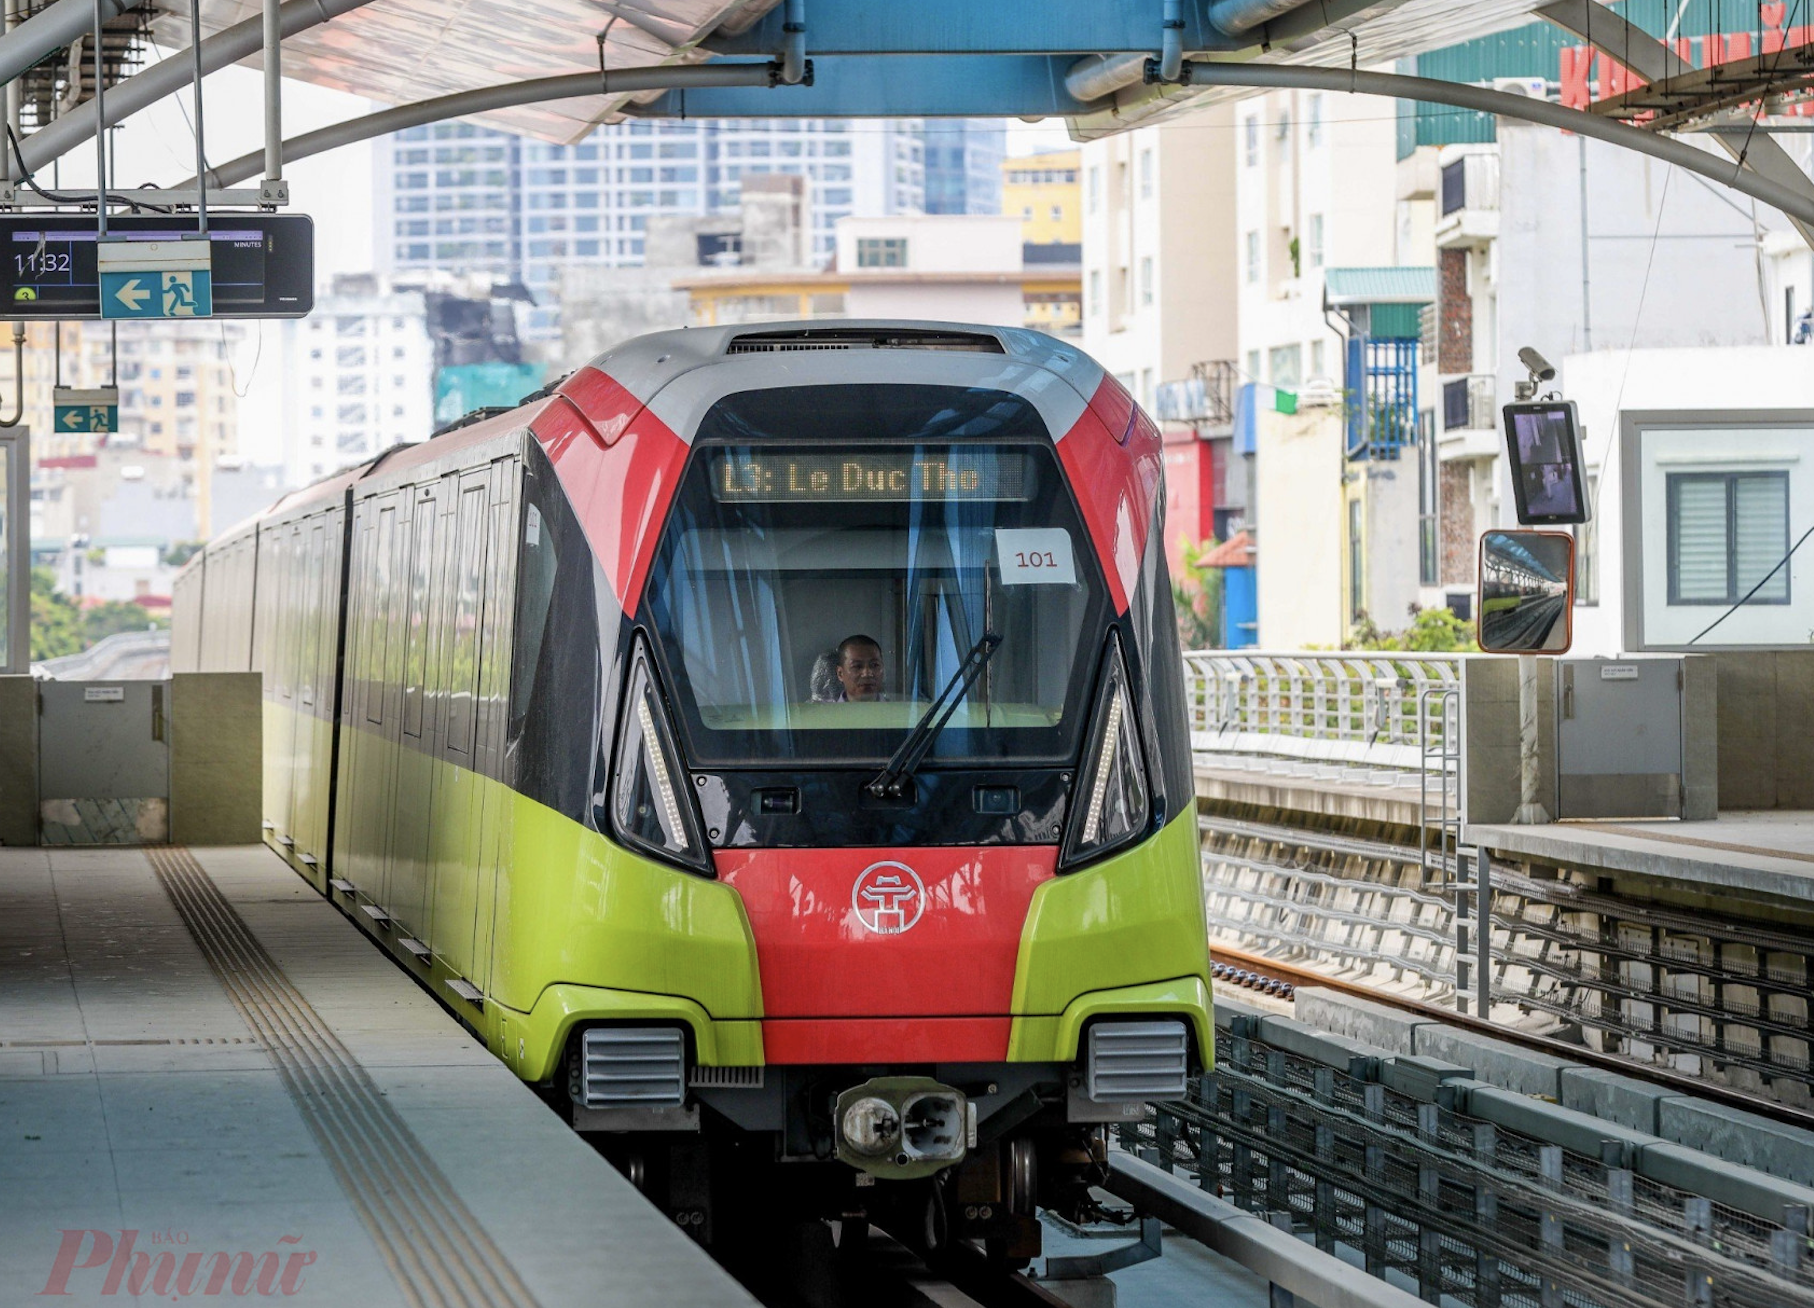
x: 1341, y: 708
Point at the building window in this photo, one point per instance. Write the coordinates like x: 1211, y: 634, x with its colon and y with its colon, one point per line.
x: 1253, y: 258
x: 1253, y: 365
x: 1251, y: 130
x: 1316, y: 240
x: 1316, y: 359
x: 1146, y: 387
x: 881, y: 252
x: 1095, y: 290
x: 1727, y: 530
x: 1287, y: 365
x: 1057, y: 213
x: 1146, y: 174
x: 1146, y: 279
x: 1313, y: 128
x: 1587, y: 551
x: 1095, y: 175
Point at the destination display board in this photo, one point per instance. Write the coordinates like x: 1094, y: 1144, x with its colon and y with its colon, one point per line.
x: 263, y: 264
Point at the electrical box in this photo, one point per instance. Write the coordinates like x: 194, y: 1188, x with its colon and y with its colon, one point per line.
x: 1619, y: 737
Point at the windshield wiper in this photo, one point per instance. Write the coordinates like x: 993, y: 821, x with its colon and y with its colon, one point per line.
x: 891, y: 781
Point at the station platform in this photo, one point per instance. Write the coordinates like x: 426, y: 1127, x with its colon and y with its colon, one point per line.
x: 200, y: 1056
x: 1761, y: 855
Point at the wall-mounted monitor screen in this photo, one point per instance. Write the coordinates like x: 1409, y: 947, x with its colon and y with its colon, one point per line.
x: 1549, y: 480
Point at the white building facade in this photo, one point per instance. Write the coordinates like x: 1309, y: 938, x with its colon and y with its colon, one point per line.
x: 357, y: 374
x: 463, y: 198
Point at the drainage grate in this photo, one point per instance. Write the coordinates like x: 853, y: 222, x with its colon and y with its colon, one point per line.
x: 1136, y: 1060
x: 631, y: 1067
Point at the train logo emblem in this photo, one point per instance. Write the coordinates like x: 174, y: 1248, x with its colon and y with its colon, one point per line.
x: 888, y: 898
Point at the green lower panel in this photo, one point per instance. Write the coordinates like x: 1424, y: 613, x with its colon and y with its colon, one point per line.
x: 558, y: 925
x: 1131, y: 923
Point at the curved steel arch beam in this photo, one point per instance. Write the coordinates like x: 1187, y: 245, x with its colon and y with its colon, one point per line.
x: 173, y: 74
x: 51, y: 29
x: 1795, y: 202
x: 1619, y: 38
x: 677, y: 77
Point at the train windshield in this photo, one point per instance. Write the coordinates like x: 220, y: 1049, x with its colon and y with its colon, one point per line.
x: 842, y: 559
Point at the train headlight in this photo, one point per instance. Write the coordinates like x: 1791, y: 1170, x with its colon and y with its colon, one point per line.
x: 871, y: 1127
x: 651, y: 806
x: 1111, y: 803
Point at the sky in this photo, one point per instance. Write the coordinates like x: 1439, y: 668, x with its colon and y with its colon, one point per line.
x: 157, y: 147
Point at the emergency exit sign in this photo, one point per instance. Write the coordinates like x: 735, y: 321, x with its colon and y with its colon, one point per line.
x: 156, y: 279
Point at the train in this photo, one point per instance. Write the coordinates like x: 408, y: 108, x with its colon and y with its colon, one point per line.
x: 770, y: 740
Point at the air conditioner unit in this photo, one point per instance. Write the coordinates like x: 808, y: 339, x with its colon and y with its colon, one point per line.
x: 1533, y: 88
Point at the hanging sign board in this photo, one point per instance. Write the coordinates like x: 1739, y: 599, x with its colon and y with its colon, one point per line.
x: 96, y: 412
x: 253, y: 265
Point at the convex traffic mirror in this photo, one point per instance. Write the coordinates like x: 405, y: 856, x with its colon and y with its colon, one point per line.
x: 1526, y: 602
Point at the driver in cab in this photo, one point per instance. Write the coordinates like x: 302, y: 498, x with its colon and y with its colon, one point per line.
x: 856, y: 673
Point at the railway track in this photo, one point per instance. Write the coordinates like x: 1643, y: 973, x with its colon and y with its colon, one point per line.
x: 1289, y: 975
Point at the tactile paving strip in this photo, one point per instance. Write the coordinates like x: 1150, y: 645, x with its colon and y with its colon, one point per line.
x: 435, y: 1248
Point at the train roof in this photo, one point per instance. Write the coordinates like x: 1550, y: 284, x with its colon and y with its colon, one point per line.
x: 645, y: 365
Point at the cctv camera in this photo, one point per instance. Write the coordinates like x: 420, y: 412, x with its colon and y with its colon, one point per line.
x: 1540, y: 367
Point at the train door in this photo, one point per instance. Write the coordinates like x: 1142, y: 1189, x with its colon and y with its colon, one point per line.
x: 368, y: 708
x: 280, y: 683
x: 309, y: 740
x: 418, y: 722
x: 494, y: 705
x: 459, y: 789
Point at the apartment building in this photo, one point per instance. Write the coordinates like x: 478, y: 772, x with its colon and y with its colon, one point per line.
x: 462, y: 198
x: 1159, y: 302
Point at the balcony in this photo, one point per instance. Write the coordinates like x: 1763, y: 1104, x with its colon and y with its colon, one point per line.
x: 1469, y: 416
x: 1206, y: 397
x: 1468, y: 200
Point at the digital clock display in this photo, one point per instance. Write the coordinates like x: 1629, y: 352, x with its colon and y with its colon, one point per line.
x: 917, y: 473
x: 262, y: 263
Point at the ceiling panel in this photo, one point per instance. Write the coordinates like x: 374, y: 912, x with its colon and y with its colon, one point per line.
x: 401, y: 51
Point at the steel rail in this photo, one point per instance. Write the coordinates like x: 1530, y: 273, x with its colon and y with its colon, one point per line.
x: 1249, y: 1239
x: 1299, y: 976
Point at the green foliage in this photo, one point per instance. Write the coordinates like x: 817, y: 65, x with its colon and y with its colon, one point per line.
x: 1297, y: 265
x: 1197, y: 598
x: 112, y: 617
x: 56, y: 624
x: 180, y: 552
x: 59, y: 626
x: 1432, y: 631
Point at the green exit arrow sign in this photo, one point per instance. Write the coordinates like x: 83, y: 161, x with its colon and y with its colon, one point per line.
x: 156, y: 279
x: 90, y: 412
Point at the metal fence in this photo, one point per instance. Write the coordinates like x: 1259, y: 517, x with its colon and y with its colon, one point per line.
x: 1366, y: 710
x: 1427, y: 1183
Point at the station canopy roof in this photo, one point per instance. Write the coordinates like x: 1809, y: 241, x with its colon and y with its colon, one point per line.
x: 968, y: 57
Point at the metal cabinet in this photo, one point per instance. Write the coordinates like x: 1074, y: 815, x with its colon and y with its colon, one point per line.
x: 1619, y: 737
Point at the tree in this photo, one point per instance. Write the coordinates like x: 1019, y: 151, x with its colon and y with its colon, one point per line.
x: 56, y: 623
x: 111, y: 617
x: 180, y: 552
x: 1432, y: 631
x: 1197, y: 597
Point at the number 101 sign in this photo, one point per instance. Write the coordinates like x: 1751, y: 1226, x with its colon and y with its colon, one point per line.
x: 1035, y: 556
